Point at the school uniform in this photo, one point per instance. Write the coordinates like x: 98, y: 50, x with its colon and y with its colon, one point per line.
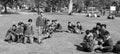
x: 11, y: 35
x: 117, y: 47
x: 28, y: 33
x: 103, y: 33
x: 71, y: 28
x: 20, y: 31
x: 40, y: 23
x: 88, y: 43
x: 58, y: 27
x: 108, y: 45
x: 79, y: 27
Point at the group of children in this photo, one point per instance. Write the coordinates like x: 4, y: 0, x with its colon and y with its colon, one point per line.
x: 95, y: 39
x: 24, y: 32
x: 75, y: 28
x: 98, y: 39
x: 20, y: 32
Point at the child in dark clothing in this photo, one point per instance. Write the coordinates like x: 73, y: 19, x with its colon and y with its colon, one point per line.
x: 29, y: 32
x: 58, y: 26
x: 103, y: 32
x: 71, y: 28
x: 117, y: 47
x: 78, y: 27
x: 11, y: 34
x: 88, y: 43
x: 20, y: 31
x: 107, y: 45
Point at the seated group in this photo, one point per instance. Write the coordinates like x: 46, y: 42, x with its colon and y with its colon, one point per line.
x: 24, y: 32
x: 98, y: 39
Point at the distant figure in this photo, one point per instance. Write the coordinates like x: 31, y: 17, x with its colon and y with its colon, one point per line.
x: 103, y: 12
x: 78, y: 27
x: 71, y: 28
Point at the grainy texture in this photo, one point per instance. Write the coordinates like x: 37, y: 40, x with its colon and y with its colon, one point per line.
x: 60, y: 43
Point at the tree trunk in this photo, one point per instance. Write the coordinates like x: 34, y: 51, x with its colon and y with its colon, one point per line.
x: 51, y: 9
x: 70, y: 7
x: 5, y: 6
x: 38, y: 9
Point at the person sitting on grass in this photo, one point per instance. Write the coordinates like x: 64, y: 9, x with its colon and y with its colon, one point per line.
x: 20, y: 31
x: 71, y: 28
x: 78, y: 27
x: 29, y: 32
x: 107, y: 45
x: 88, y: 44
x: 96, y: 31
x: 58, y: 26
x: 117, y: 47
x: 11, y: 34
x: 103, y: 32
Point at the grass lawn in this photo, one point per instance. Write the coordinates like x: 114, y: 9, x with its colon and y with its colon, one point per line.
x: 60, y: 43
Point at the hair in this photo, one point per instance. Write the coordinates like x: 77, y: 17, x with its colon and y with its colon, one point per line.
x: 78, y: 22
x: 14, y: 25
x: 87, y: 31
x: 53, y: 20
x: 47, y: 20
x: 104, y: 25
x: 118, y: 42
x: 29, y: 20
x: 69, y: 22
x: 98, y: 23
x: 20, y: 23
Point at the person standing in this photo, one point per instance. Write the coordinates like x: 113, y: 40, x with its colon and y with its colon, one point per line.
x: 40, y: 23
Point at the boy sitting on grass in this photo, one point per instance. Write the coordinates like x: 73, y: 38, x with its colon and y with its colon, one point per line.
x: 11, y: 34
x: 71, y: 28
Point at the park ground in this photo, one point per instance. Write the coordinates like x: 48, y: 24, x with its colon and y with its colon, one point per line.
x: 60, y: 43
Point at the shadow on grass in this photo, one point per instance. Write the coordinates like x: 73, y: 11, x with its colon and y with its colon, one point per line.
x: 80, y: 48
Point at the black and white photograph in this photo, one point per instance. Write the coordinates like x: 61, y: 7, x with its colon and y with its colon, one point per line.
x: 59, y: 26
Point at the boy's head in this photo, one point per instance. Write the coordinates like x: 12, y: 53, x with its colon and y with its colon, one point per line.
x: 98, y: 25
x: 47, y: 20
x: 103, y: 26
x: 78, y: 23
x: 20, y: 23
x: 69, y: 23
x: 53, y: 20
x: 14, y: 26
x: 87, y: 31
x: 29, y: 21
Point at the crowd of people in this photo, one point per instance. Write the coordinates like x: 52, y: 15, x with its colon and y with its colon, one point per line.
x: 95, y: 39
x: 99, y: 39
x: 24, y: 32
